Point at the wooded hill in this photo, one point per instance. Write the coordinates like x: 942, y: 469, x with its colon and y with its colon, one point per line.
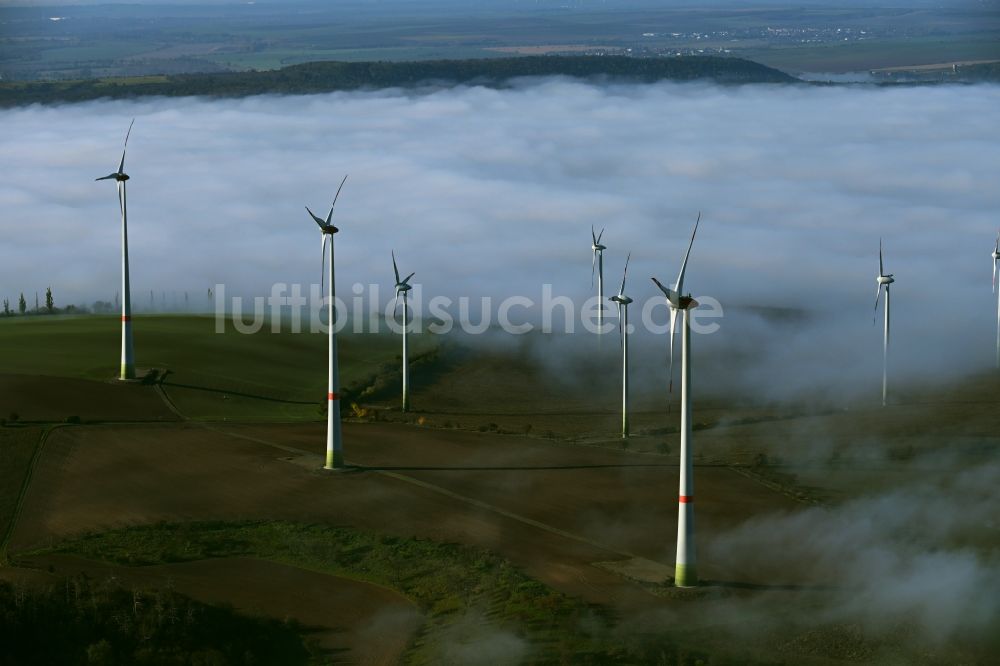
x: 318, y: 77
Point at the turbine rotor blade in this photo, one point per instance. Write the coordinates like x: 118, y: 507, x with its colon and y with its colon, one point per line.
x: 673, y: 330
x: 672, y: 296
x: 394, y: 269
x: 621, y: 329
x: 878, y: 297
x: 593, y: 264
x: 338, y: 193
x: 621, y: 291
x: 881, y: 269
x: 600, y: 236
x: 996, y: 253
x: 680, y: 276
x: 121, y: 165
x: 593, y: 235
x: 316, y: 219
x: 322, y: 265
x: 406, y: 280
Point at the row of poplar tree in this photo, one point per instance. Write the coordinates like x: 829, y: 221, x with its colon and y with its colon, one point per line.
x: 22, y: 305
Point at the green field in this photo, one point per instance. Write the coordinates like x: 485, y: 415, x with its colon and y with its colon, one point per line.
x: 504, y: 508
x: 862, y: 56
x: 208, y: 375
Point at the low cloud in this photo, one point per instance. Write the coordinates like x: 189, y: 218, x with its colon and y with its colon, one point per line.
x: 493, y: 192
x: 919, y: 554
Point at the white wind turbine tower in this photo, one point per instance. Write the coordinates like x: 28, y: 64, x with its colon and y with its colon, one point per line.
x: 128, y: 357
x: 883, y: 280
x: 685, y: 573
x: 622, y: 301
x: 334, y: 443
x: 996, y: 258
x: 402, y: 287
x: 597, y: 260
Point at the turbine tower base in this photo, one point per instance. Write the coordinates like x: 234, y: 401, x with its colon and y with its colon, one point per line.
x: 685, y: 575
x: 335, y: 464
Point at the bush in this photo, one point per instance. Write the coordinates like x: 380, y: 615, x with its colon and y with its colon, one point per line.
x: 102, y: 622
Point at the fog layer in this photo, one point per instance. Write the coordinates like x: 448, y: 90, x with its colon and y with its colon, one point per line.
x: 493, y: 192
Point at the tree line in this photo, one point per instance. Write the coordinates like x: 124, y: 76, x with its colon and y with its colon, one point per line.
x: 22, y: 305
x: 105, y: 623
x: 317, y: 77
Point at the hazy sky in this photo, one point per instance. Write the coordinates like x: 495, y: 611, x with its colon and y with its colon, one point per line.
x: 516, y: 4
x: 493, y: 192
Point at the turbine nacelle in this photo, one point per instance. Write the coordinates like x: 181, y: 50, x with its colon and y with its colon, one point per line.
x: 883, y: 279
x: 596, y: 238
x: 676, y: 301
x: 327, y: 230
x: 120, y: 175
x: 688, y: 303
x: 598, y: 249
x: 621, y: 299
x: 996, y: 258
x: 402, y: 286
x: 325, y: 226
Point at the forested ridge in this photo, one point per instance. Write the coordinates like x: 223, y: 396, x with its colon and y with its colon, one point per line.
x: 317, y: 77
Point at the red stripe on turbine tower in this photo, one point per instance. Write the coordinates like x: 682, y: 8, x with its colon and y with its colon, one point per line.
x: 686, y: 498
x: 126, y: 318
x: 332, y: 396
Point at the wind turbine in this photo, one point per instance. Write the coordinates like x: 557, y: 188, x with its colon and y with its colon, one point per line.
x: 685, y: 573
x: 622, y: 301
x: 883, y: 280
x: 402, y: 287
x: 128, y: 356
x: 996, y: 258
x: 597, y: 260
x: 334, y: 443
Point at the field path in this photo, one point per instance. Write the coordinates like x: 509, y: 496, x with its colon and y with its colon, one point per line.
x: 12, y: 525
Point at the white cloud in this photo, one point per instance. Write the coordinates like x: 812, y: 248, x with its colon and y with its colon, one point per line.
x: 486, y: 191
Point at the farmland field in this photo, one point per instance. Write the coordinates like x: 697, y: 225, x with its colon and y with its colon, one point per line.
x: 119, y: 40
x: 231, y: 505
